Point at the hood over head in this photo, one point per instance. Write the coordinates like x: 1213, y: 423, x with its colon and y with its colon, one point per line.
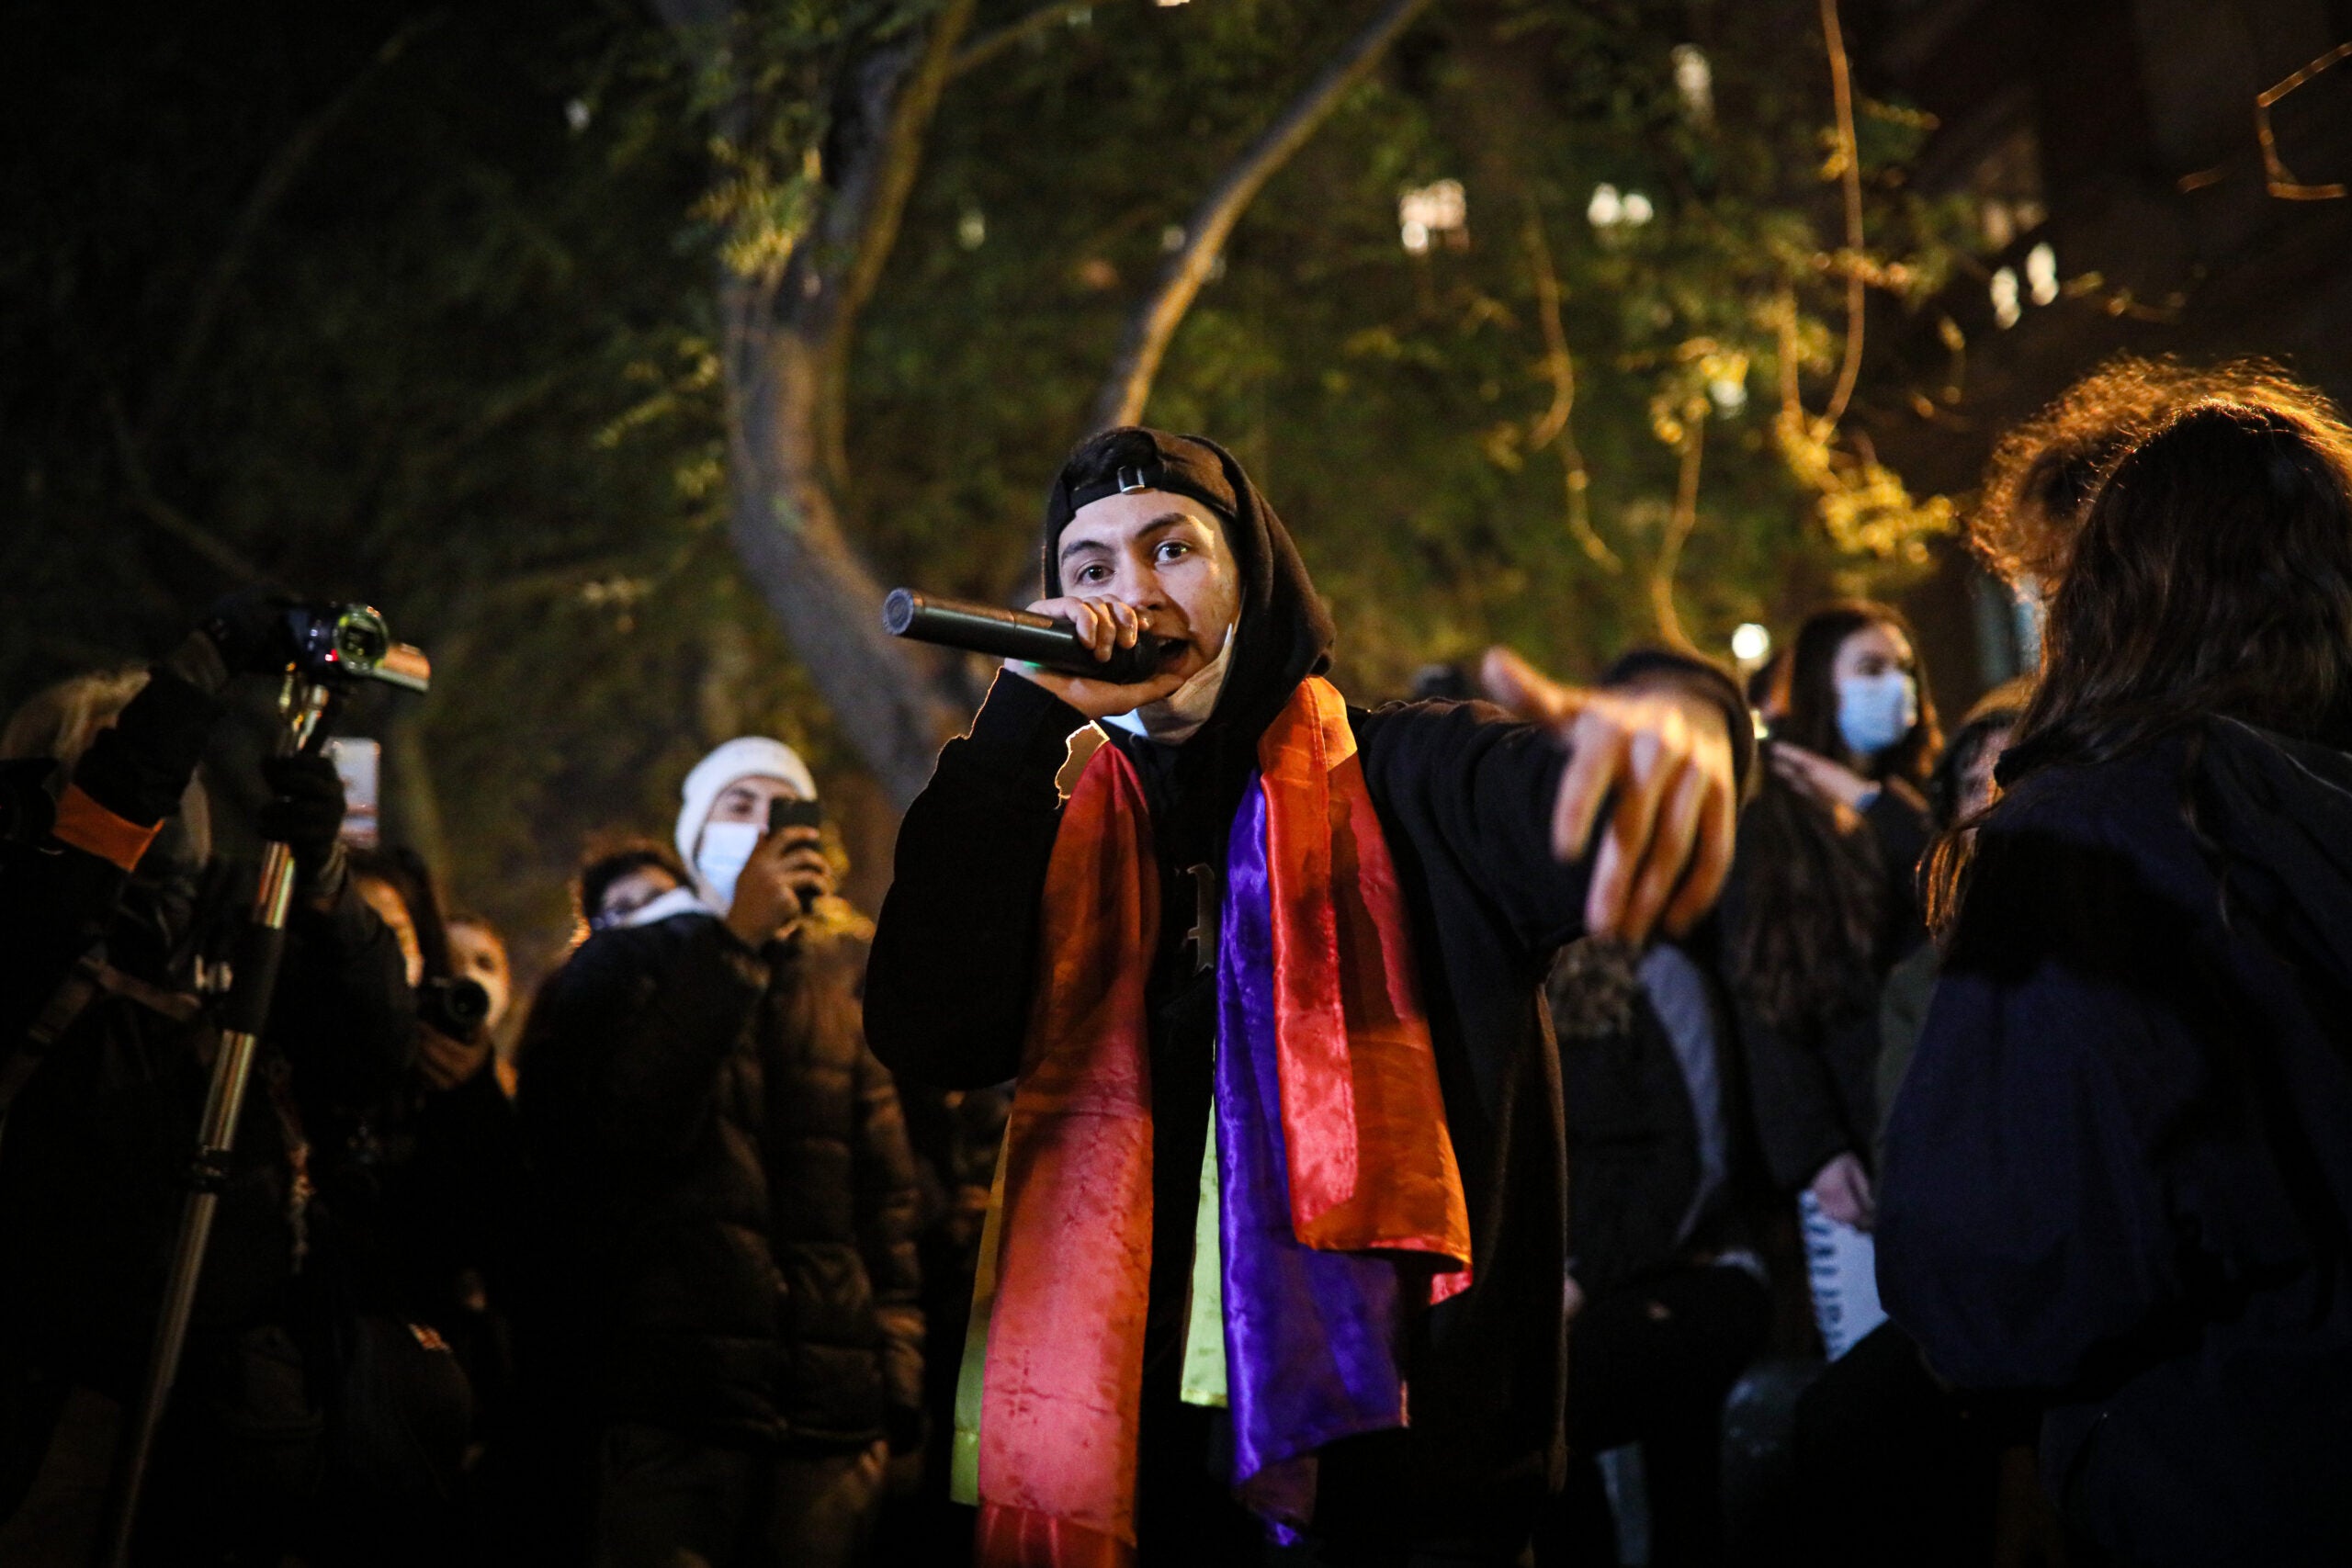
x: 1284, y: 633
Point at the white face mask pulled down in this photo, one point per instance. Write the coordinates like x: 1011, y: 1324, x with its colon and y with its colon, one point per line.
x: 1176, y: 717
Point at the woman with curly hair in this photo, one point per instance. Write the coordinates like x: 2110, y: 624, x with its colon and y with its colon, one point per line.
x: 2044, y: 472
x: 2120, y: 1173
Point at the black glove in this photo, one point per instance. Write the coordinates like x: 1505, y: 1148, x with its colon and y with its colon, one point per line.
x: 306, y: 810
x: 250, y: 629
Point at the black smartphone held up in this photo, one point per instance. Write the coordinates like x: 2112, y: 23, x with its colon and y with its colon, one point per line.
x: 786, y: 813
x: 783, y: 812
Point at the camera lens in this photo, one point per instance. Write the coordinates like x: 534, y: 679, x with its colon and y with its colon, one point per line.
x: 361, y: 638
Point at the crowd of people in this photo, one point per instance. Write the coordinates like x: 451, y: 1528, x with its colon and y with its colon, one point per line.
x: 1680, y: 1121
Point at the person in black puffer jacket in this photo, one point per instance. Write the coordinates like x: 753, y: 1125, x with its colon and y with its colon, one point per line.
x: 730, y: 1287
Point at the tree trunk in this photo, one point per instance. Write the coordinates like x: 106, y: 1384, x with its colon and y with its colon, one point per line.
x: 987, y: 48
x: 1128, y: 389
x: 787, y: 530
x: 786, y: 333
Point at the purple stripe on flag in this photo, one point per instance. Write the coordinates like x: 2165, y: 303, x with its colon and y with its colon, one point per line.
x: 1310, y: 1337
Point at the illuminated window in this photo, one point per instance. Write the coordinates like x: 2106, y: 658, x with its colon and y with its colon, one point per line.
x: 1434, y: 214
x: 2041, y: 274
x: 2005, y: 297
x: 1694, y: 82
x: 1609, y: 210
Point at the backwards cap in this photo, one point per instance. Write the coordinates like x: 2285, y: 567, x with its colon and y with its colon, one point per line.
x: 1284, y: 633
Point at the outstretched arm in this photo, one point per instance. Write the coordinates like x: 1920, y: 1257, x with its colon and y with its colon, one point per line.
x: 1662, y: 752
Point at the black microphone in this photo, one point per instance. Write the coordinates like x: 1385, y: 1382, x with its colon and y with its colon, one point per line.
x: 1017, y: 634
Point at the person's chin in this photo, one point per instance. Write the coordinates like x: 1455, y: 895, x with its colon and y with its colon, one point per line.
x: 1190, y: 665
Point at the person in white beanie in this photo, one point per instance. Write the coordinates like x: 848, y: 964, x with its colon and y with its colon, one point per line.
x: 723, y: 812
x: 733, y: 1203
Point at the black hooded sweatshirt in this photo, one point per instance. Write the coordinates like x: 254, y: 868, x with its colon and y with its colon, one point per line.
x: 1464, y: 799
x: 2119, y: 1173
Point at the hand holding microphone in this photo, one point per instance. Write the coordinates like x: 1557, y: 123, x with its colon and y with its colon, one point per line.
x: 1113, y: 633
x: 1096, y: 654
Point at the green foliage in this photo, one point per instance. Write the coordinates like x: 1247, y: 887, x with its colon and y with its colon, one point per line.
x: 768, y: 84
x: 467, y: 366
x: 1393, y: 405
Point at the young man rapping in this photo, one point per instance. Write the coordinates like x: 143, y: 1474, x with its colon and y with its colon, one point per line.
x: 1278, y: 1246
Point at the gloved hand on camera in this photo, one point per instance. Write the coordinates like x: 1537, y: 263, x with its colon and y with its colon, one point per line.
x: 304, y: 813
x: 251, y: 630
x: 244, y: 633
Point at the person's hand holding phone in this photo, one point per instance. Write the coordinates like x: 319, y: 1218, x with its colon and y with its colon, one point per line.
x: 787, y: 874
x: 794, y: 825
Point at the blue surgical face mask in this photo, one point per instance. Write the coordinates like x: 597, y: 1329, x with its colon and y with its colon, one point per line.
x: 1875, y: 712
x: 725, y: 850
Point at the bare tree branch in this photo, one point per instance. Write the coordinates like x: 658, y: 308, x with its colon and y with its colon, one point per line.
x: 1128, y: 389
x: 279, y: 177
x: 1678, y: 525
x: 1558, y: 423
x: 1841, y: 88
x: 141, y: 490
x: 988, y: 46
x: 873, y: 216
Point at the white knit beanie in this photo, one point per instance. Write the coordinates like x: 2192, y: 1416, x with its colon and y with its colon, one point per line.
x: 746, y: 756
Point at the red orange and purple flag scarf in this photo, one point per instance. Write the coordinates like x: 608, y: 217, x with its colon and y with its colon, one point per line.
x: 1340, y: 1202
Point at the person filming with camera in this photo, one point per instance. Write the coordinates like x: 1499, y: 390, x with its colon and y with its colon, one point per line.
x: 731, y: 1301
x: 121, y: 925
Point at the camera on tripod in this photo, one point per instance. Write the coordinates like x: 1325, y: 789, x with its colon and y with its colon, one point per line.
x: 336, y: 645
